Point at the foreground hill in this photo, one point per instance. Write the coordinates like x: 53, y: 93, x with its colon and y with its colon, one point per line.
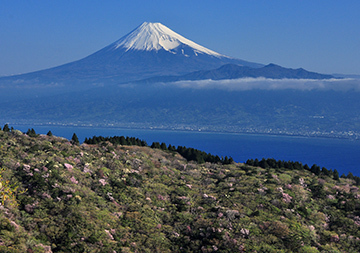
x: 109, y: 197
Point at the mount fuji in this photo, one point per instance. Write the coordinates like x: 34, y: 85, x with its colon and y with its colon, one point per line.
x: 154, y: 78
x: 152, y: 49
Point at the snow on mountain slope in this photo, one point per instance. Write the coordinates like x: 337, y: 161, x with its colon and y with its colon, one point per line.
x: 156, y: 36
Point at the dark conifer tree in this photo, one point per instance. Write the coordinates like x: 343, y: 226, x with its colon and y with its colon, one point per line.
x: 357, y: 180
x: 231, y: 160
x: 306, y: 167
x: 75, y: 139
x: 163, y: 146
x: 336, y: 175
x: 350, y: 175
x: 31, y: 132
x: 6, y: 128
x: 263, y: 164
x: 171, y: 148
x: 217, y: 159
x: 122, y: 140
x: 155, y: 145
x: 315, y: 169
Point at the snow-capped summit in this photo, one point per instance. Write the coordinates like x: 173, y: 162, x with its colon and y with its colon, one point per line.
x: 156, y: 36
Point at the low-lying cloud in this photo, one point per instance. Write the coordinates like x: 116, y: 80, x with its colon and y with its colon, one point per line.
x: 274, y: 84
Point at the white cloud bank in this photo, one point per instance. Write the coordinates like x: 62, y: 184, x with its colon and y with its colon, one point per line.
x: 261, y: 83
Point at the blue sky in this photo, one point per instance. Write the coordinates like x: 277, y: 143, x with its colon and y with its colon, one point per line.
x: 321, y: 36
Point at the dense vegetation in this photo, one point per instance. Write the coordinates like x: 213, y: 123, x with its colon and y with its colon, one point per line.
x: 110, y: 197
x: 190, y: 154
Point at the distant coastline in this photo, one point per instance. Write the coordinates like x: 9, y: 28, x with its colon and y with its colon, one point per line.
x: 206, y: 129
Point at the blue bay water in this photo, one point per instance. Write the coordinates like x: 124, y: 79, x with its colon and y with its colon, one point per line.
x: 340, y: 154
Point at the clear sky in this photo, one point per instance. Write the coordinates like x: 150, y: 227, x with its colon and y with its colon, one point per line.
x: 318, y: 35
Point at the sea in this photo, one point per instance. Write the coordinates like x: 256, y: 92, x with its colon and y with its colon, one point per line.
x: 340, y: 154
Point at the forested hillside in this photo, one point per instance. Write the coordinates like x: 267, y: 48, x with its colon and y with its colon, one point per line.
x: 60, y: 196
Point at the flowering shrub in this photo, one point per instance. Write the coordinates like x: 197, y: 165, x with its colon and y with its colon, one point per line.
x: 68, y: 166
x: 103, y: 182
x: 73, y: 180
x: 286, y: 197
x: 8, y: 191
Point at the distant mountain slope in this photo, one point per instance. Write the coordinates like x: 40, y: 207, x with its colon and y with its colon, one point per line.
x: 150, y: 50
x: 233, y: 71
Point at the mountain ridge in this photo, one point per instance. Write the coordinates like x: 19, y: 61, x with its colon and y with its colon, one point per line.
x: 233, y: 71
